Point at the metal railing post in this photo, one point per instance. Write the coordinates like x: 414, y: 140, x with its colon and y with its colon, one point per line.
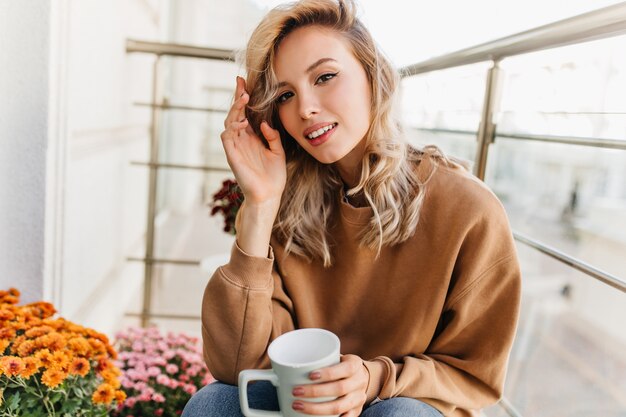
x: 487, y: 129
x: 152, y: 191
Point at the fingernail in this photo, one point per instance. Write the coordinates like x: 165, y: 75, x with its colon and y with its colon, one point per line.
x: 315, y: 375
x: 298, y: 391
x: 298, y: 406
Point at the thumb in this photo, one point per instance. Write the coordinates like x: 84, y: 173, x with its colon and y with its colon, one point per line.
x: 272, y: 136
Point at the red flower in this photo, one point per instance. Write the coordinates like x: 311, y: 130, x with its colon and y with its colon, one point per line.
x: 227, y: 200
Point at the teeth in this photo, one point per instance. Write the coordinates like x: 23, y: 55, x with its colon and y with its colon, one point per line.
x: 321, y: 131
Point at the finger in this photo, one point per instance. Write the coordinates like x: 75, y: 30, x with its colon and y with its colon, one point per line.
x: 240, y: 88
x: 329, y: 389
x: 350, y: 365
x: 235, y: 128
x: 272, y: 136
x: 240, y: 92
x: 231, y: 133
x: 339, y: 406
x: 236, y: 112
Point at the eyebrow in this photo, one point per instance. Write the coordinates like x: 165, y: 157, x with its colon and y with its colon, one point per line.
x: 311, y: 68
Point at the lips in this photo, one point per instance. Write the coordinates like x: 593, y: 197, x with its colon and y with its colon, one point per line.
x: 319, y: 127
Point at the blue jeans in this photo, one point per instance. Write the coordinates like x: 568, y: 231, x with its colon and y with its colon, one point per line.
x: 221, y: 400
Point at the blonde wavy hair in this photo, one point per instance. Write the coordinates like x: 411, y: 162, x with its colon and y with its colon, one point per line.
x: 389, y: 181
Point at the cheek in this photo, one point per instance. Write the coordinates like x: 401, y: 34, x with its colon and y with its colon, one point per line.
x: 286, y: 119
x: 289, y: 121
x: 355, y: 99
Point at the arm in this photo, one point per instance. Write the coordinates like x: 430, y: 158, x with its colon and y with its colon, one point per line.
x: 244, y: 305
x: 244, y: 308
x: 465, y: 365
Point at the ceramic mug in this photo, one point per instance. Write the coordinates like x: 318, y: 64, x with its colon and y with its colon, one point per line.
x: 293, y: 356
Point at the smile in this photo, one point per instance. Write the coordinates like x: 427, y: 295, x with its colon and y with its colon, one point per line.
x: 320, y: 131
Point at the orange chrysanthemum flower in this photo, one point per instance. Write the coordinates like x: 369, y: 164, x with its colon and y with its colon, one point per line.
x: 99, y: 336
x: 11, y: 365
x: 31, y: 367
x: 97, y: 346
x: 7, y: 333
x: 53, y: 377
x: 4, y: 344
x: 45, y: 358
x: 110, y: 377
x: 112, y: 352
x: 61, y: 360
x: 17, y: 342
x: 79, y: 346
x: 26, y: 348
x: 35, y: 332
x: 53, y: 341
x: 79, y: 366
x: 6, y: 314
x: 120, y: 396
x: 56, y: 324
x: 40, y: 309
x: 31, y: 341
x: 9, y: 297
x: 103, y: 395
x: 104, y: 364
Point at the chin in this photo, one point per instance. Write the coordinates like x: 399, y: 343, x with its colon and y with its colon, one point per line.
x: 328, y: 158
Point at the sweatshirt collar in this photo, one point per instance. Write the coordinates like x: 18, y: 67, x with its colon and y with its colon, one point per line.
x: 351, y: 214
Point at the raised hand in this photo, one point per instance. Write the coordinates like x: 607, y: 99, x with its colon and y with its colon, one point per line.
x: 260, y: 172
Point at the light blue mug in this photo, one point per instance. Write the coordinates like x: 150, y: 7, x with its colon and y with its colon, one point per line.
x: 293, y: 356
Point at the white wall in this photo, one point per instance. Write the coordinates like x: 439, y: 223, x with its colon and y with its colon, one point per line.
x: 24, y: 27
x: 106, y: 197
x: 72, y: 207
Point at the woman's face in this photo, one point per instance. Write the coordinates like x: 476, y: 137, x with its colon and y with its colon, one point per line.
x: 323, y: 95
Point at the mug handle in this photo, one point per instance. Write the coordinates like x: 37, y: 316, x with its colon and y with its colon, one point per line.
x: 255, y: 375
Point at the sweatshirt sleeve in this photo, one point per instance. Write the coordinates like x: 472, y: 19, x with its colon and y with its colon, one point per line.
x: 244, y: 308
x: 464, y: 366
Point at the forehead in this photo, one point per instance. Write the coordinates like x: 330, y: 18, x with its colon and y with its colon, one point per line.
x: 305, y: 45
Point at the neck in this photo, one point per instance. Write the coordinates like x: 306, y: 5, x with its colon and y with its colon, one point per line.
x: 349, y: 166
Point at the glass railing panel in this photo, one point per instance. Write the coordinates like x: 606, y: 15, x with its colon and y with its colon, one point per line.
x: 572, y: 91
x: 569, y: 356
x: 445, y: 101
x: 460, y: 145
x: 188, y: 195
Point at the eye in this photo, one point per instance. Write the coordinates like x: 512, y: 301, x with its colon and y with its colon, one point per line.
x: 325, y: 77
x: 283, y: 97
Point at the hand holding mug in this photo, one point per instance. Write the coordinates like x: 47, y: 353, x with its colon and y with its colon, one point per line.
x: 347, y: 382
x: 295, y: 357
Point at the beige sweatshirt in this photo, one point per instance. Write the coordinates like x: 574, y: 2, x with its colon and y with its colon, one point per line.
x: 433, y: 318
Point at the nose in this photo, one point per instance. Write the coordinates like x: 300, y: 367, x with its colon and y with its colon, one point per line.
x: 308, y: 105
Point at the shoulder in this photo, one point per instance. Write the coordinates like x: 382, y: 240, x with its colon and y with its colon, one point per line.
x: 450, y: 185
x: 459, y: 204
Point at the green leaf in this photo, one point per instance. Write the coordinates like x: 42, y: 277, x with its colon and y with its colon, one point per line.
x: 78, y: 392
x: 36, y: 411
x: 56, y: 396
x: 70, y: 406
x: 31, y: 401
x: 13, y: 402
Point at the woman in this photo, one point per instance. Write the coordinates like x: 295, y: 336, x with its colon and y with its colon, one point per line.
x: 401, y: 252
